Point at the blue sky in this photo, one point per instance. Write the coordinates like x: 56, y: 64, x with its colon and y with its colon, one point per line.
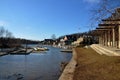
x: 39, y: 19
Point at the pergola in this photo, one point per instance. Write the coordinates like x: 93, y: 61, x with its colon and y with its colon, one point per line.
x: 109, y: 32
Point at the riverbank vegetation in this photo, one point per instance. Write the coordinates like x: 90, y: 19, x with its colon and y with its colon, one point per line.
x: 92, y: 66
x: 7, y: 40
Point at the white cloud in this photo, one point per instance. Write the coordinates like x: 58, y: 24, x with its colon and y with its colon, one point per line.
x: 92, y: 1
x: 3, y: 23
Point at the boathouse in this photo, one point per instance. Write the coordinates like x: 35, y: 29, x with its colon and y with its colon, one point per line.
x: 109, y: 30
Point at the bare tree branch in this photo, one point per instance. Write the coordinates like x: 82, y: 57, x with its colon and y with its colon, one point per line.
x: 104, y: 9
x: 53, y: 36
x: 5, y: 33
x: 2, y: 31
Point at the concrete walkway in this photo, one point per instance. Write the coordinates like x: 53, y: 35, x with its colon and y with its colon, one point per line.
x: 109, y: 51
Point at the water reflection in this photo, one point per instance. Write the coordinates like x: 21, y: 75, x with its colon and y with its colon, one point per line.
x: 36, y: 66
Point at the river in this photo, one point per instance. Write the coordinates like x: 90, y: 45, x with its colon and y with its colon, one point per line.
x: 35, y: 66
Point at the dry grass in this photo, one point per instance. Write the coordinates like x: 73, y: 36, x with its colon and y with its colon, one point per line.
x: 92, y: 66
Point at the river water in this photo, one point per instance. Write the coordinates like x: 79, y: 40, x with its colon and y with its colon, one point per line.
x: 35, y: 66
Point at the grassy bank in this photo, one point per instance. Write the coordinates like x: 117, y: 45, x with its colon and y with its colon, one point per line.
x: 92, y: 66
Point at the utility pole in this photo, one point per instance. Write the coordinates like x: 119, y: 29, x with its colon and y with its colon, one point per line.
x: 26, y: 46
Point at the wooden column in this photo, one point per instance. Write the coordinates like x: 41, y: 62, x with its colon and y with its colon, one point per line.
x: 113, y: 37
x: 108, y: 37
x: 105, y: 38
x: 118, y: 36
x: 100, y: 39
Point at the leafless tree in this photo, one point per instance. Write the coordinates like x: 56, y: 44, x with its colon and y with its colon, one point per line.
x: 103, y: 10
x: 8, y: 34
x: 5, y: 37
x: 53, y: 36
x: 5, y: 33
x: 2, y: 31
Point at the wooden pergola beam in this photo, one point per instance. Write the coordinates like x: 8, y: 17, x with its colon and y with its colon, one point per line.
x: 110, y: 19
x: 97, y: 32
x: 103, y: 28
x: 108, y: 24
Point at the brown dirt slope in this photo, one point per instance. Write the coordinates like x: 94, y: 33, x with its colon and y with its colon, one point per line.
x: 92, y: 66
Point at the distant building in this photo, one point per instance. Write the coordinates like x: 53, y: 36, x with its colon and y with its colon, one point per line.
x: 78, y: 41
x: 48, y: 41
x: 66, y: 40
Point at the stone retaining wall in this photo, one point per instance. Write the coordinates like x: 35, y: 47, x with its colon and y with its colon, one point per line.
x: 68, y: 72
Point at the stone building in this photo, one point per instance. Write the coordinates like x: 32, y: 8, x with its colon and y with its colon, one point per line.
x: 78, y: 41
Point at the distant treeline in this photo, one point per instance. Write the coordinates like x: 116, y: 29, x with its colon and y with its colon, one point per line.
x: 7, y: 40
x: 15, y: 42
x: 77, y: 35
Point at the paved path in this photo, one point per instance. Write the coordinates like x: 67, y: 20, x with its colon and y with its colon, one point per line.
x: 110, y: 51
